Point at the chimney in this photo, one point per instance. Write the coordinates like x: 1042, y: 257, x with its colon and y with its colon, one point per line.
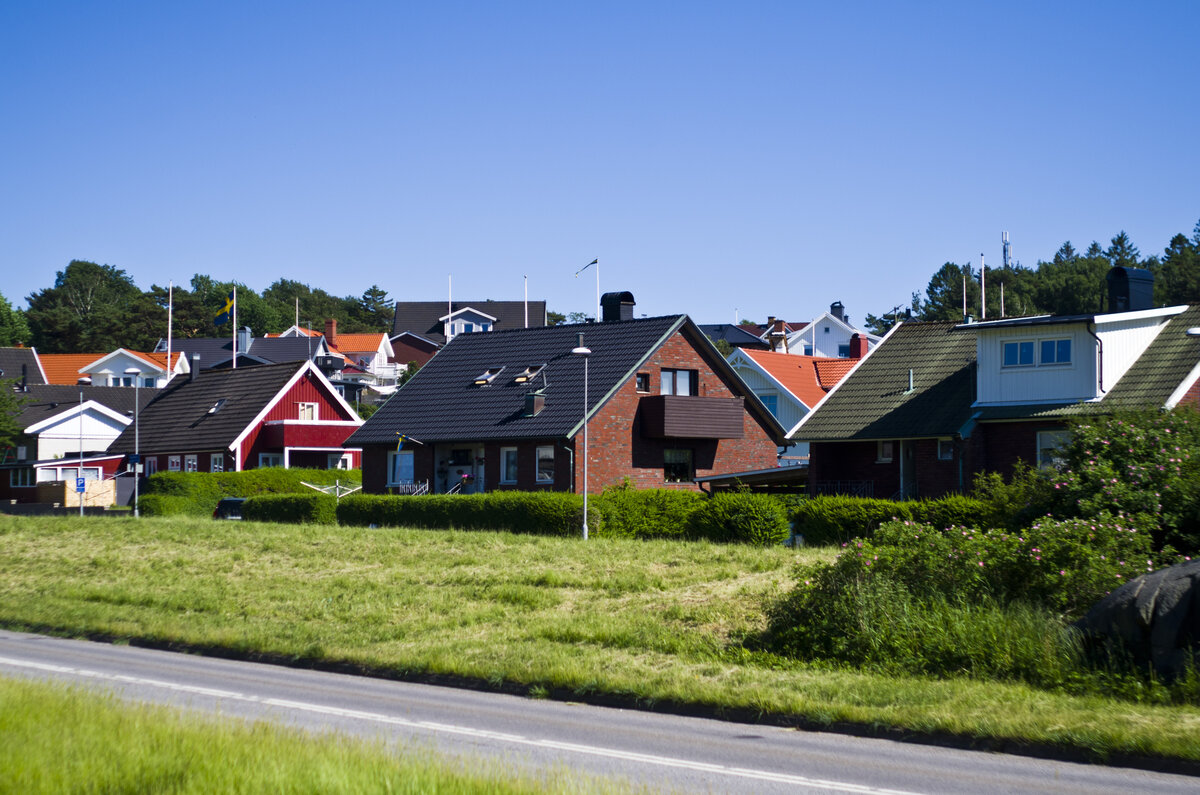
x: 777, y: 336
x: 616, y: 306
x: 331, y: 332
x: 838, y: 310
x: 858, y: 346
x: 245, y: 336
x: 195, y: 367
x: 1130, y: 289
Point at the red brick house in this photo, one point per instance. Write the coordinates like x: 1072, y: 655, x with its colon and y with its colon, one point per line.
x: 504, y: 410
x: 285, y: 415
x: 936, y: 403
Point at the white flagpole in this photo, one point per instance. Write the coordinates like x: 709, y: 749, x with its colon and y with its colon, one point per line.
x: 298, y: 315
x: 597, y: 289
x: 170, y: 318
x: 982, y: 289
x: 235, y: 327
x: 527, y: 301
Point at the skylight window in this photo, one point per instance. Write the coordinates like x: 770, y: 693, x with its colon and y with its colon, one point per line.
x: 217, y: 406
x: 528, y: 374
x: 487, y: 376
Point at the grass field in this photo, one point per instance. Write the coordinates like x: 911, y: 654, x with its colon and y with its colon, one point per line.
x: 650, y: 622
x: 58, y: 739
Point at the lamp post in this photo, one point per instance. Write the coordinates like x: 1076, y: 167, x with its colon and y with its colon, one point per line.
x: 137, y: 457
x: 580, y: 350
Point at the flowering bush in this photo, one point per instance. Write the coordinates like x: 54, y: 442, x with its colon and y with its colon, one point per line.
x: 1145, y: 463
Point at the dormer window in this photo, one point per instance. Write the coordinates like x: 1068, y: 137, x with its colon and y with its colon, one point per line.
x: 487, y: 376
x: 528, y: 374
x: 1018, y: 354
x: 1056, y: 352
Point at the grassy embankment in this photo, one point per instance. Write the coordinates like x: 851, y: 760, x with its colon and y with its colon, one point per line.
x: 58, y: 739
x: 645, y: 621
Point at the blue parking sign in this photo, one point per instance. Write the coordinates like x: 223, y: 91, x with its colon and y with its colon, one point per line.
x: 80, y: 485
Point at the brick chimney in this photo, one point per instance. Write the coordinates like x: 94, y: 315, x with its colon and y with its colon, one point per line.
x: 858, y: 346
x: 331, y: 331
x: 777, y: 335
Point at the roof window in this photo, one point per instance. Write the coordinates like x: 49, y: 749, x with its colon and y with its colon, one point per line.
x: 528, y: 374
x: 217, y: 406
x: 487, y: 376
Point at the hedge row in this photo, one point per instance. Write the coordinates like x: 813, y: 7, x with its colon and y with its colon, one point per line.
x: 838, y: 519
x: 311, y: 508
x: 197, y: 493
x: 541, y: 513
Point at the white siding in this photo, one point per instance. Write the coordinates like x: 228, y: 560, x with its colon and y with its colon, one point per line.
x: 62, y: 438
x: 1124, y: 342
x: 1036, y: 384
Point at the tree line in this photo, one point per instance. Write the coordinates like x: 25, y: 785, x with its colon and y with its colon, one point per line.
x: 1070, y: 283
x: 97, y: 308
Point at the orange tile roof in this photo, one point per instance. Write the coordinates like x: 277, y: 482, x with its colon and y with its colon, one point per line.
x: 63, y: 368
x: 359, y: 342
x: 806, y: 377
x: 157, y: 359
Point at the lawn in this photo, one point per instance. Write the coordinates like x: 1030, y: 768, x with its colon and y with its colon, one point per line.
x: 59, y: 739
x: 645, y: 622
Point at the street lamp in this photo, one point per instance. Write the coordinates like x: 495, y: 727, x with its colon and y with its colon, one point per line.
x: 579, y: 350
x: 137, y: 458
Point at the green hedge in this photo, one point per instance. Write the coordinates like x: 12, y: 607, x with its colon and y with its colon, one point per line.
x: 168, y: 505
x: 744, y: 518
x: 838, y: 519
x: 204, y: 489
x: 538, y: 513
x: 626, y: 512
x: 311, y: 508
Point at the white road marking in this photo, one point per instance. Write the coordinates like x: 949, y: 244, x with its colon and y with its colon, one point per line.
x: 375, y: 717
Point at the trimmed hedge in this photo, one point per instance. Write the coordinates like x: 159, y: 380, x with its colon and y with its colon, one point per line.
x: 205, y: 489
x: 537, y: 513
x: 746, y: 518
x: 837, y: 519
x: 167, y: 505
x: 626, y: 512
x: 311, y: 508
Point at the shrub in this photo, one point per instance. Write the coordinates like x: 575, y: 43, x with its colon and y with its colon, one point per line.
x: 311, y: 508
x: 743, y: 517
x: 836, y: 519
x: 539, y: 513
x: 954, y: 510
x: 168, y: 505
x: 206, y: 489
x: 626, y: 512
x: 1016, y: 502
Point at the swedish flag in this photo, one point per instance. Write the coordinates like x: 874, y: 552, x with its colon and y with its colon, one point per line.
x: 226, y: 313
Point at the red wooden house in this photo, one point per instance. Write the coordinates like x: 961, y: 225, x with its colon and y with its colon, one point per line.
x: 285, y: 415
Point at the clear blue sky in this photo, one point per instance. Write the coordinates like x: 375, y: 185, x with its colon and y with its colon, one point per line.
x: 764, y: 157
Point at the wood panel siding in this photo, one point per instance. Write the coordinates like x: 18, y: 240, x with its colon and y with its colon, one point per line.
x: 692, y: 417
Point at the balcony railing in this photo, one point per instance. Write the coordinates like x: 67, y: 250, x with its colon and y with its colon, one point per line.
x: 692, y: 417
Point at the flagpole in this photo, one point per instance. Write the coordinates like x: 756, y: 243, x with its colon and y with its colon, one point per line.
x: 170, y: 318
x: 597, y: 295
x: 235, y: 327
x: 526, y: 301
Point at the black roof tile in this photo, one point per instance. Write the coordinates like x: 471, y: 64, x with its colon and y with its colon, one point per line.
x: 421, y: 317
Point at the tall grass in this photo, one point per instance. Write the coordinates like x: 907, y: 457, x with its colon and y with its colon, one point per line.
x: 647, y: 621
x: 58, y: 739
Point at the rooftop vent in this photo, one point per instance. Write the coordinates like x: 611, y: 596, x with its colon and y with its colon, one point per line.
x: 1130, y: 289
x: 617, y: 306
x: 534, y: 403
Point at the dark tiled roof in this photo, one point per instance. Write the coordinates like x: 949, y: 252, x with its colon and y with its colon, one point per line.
x: 737, y: 336
x: 442, y: 403
x: 11, y: 360
x: 218, y: 352
x: 421, y: 317
x: 1157, y: 373
x: 43, y: 401
x: 873, y: 402
x: 178, y: 419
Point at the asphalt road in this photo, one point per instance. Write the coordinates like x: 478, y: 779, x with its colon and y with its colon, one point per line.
x: 662, y: 752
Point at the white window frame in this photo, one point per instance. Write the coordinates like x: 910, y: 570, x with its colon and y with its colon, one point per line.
x: 338, y: 461
x: 545, y: 453
x: 1049, y: 442
x: 266, y: 460
x: 508, y: 455
x: 1033, y: 351
x: 191, y: 462
x: 1055, y: 342
x: 669, y: 384
x: 771, y: 401
x: 885, y: 451
x: 216, y: 463
x: 174, y: 463
x: 22, y: 478
x: 307, y: 408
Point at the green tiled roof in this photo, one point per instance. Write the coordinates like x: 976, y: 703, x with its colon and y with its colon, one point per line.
x: 1159, y: 371
x: 874, y: 401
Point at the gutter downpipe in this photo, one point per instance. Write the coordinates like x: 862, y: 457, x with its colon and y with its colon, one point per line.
x: 1091, y: 329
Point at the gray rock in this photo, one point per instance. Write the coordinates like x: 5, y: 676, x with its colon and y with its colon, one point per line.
x: 1155, y: 617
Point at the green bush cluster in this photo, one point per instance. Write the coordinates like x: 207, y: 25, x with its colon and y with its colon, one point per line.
x: 837, y: 519
x: 626, y: 512
x: 945, y: 601
x: 538, y: 513
x: 197, y: 493
x: 313, y: 508
x: 740, y: 517
x: 166, y: 505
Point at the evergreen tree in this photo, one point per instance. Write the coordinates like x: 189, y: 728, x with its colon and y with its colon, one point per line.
x: 87, y: 310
